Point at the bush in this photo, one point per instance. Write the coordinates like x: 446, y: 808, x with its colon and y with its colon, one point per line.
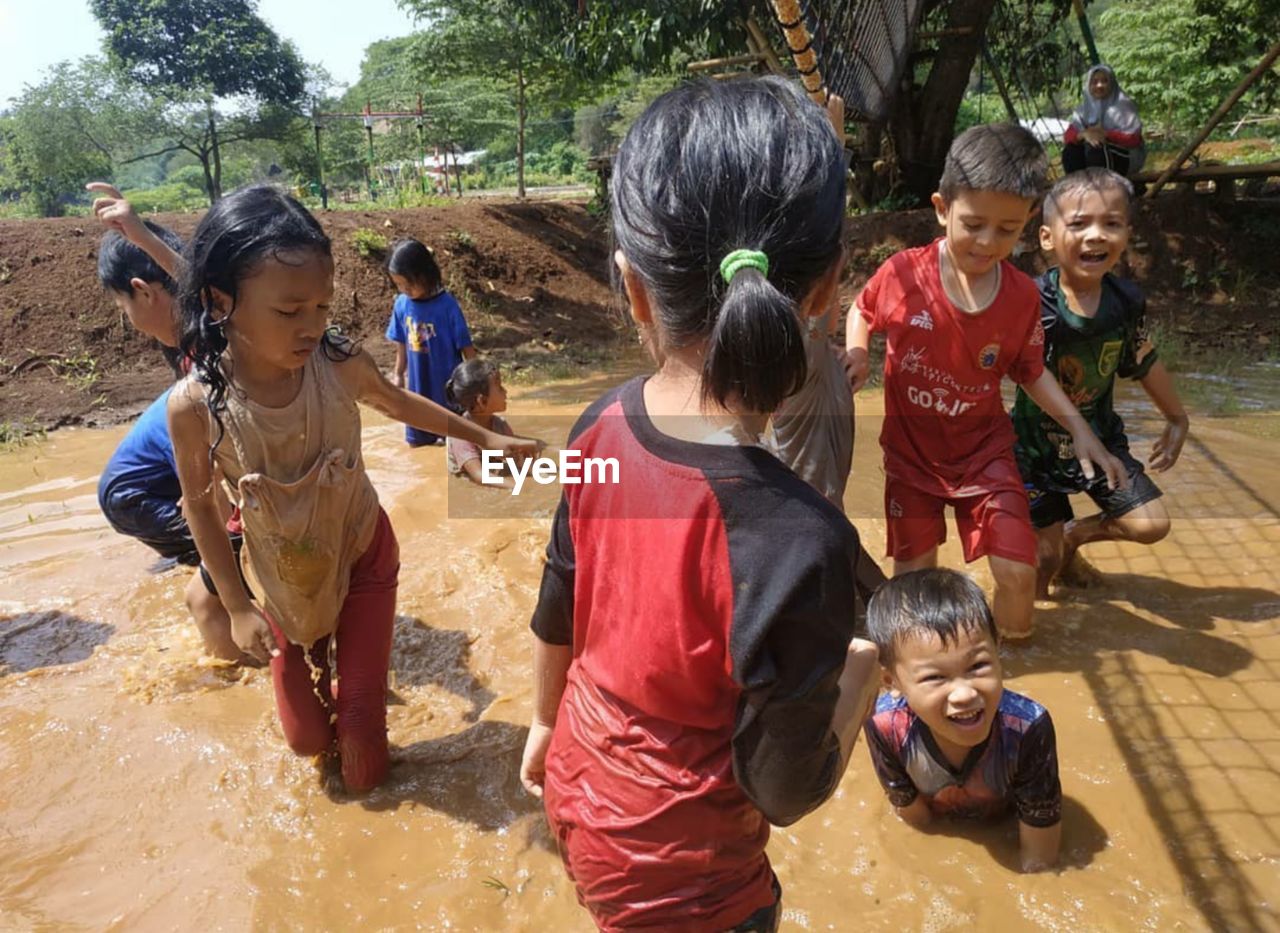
x: 369, y: 243
x: 174, y: 196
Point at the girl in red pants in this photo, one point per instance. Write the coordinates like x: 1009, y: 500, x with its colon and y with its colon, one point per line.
x: 271, y: 405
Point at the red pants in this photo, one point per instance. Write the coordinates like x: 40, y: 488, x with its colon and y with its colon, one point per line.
x: 363, y: 654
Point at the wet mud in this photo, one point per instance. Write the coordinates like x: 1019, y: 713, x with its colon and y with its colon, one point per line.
x: 143, y: 786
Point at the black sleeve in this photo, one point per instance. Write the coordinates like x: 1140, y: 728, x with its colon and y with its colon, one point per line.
x: 1139, y: 354
x: 794, y: 617
x: 1037, y: 793
x: 897, y: 784
x: 553, y: 614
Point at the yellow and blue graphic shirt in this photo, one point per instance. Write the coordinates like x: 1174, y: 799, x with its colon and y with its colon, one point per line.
x: 434, y: 334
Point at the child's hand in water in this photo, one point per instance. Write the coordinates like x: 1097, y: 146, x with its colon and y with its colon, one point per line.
x: 252, y: 634
x: 533, y: 765
x: 115, y: 212
x: 517, y: 448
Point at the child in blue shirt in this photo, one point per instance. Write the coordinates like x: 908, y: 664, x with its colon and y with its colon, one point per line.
x: 427, y: 326
x: 949, y: 739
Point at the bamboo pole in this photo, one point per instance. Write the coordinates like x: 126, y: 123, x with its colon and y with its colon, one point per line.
x: 1223, y: 109
x: 712, y: 63
x: 756, y: 35
x: 791, y: 19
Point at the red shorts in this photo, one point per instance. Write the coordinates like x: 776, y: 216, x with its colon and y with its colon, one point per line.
x: 993, y: 523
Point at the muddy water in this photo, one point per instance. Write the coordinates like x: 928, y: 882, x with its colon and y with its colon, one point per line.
x: 144, y: 787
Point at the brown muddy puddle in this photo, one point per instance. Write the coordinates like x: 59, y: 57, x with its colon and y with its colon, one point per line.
x: 144, y: 787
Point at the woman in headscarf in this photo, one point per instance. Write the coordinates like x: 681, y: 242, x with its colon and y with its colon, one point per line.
x: 1105, y: 129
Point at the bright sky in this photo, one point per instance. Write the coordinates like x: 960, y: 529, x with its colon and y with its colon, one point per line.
x: 35, y: 34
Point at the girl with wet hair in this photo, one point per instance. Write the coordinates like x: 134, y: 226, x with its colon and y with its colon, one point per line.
x: 476, y: 387
x: 1105, y: 130
x: 270, y: 408
x: 696, y: 676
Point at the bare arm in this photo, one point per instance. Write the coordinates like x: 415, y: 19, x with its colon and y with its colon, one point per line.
x: 189, y: 431
x: 916, y: 813
x: 1045, y: 392
x: 118, y: 214
x: 550, y: 674
x: 361, y: 377
x: 468, y: 353
x: 1166, y: 450
x: 1039, y: 846
x: 475, y: 472
x: 857, y: 341
x: 859, y: 683
x: 401, y: 364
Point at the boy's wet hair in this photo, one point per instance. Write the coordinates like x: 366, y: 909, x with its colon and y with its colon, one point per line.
x: 1094, y: 178
x: 469, y: 381
x: 238, y: 234
x: 120, y: 262
x: 413, y: 260
x: 937, y: 601
x: 1003, y: 157
x: 717, y: 166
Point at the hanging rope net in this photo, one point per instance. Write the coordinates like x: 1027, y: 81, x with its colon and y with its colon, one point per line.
x: 855, y: 48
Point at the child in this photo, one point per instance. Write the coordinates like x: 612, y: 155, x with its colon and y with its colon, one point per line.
x: 950, y: 739
x: 695, y: 675
x: 138, y: 490
x: 476, y: 387
x: 1095, y: 330
x: 427, y: 327
x: 957, y: 318
x: 271, y: 403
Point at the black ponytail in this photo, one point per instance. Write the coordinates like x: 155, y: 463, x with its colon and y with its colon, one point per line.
x: 712, y: 167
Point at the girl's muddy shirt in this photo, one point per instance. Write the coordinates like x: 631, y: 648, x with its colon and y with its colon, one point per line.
x: 308, y: 507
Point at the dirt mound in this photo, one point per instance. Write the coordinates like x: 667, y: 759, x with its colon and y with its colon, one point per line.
x: 533, y: 280
x: 531, y: 277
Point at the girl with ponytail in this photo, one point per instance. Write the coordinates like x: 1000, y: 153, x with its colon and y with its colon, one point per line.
x: 696, y: 673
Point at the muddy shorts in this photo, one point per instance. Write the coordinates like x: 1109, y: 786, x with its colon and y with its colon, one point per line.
x: 155, y: 520
x: 1049, y: 493
x: 992, y: 523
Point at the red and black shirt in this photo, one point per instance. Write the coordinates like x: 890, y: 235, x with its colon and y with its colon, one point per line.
x: 709, y: 599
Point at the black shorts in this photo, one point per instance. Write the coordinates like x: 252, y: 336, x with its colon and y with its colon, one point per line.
x: 1049, y: 495
x: 237, y: 543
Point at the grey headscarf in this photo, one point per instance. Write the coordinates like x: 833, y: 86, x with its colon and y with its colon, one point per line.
x: 1113, y: 112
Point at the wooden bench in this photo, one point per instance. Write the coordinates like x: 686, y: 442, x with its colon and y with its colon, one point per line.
x: 1223, y: 177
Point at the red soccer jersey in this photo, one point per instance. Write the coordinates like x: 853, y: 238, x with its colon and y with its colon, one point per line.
x: 944, y: 417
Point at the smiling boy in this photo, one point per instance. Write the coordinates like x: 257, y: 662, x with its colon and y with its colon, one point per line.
x: 957, y: 318
x: 1095, y: 331
x: 949, y: 739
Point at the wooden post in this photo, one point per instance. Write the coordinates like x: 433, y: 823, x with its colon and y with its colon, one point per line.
x: 1224, y: 108
x: 761, y: 42
x: 1085, y: 31
x: 999, y: 81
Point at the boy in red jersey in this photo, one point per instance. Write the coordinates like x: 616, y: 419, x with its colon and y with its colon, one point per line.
x: 957, y: 317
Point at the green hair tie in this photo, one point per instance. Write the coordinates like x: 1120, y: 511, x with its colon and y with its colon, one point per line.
x: 743, y: 259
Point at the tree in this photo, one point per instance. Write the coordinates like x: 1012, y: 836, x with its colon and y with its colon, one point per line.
x: 194, y: 53
x: 59, y: 134
x: 512, y: 43
x: 1152, y: 43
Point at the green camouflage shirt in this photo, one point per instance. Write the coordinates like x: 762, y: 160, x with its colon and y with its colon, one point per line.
x: 1085, y: 355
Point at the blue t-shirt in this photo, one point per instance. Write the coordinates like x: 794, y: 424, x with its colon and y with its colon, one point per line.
x: 144, y: 460
x: 434, y: 334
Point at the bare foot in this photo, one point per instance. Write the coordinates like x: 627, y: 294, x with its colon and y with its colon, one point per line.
x: 1078, y: 573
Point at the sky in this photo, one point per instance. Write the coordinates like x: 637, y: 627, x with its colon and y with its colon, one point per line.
x: 35, y: 34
